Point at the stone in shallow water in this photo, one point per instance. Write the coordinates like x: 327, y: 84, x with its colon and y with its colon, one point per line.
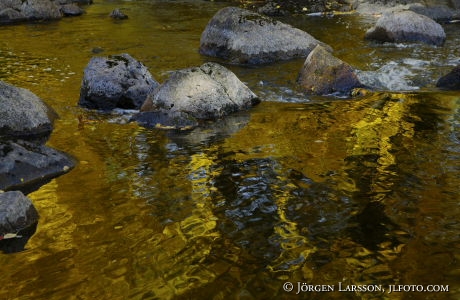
x: 22, y: 113
x: 450, y: 81
x: 118, y: 81
x: 208, y: 92
x: 16, y: 213
x: 407, y: 26
x: 324, y: 74
x: 26, y: 165
x: 244, y: 37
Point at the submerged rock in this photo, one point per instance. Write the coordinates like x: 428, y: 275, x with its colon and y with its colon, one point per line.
x: 16, y: 213
x: 407, y: 26
x: 324, y: 74
x: 22, y: 113
x: 450, y: 81
x: 118, y: 81
x: 244, y: 37
x: 207, y: 92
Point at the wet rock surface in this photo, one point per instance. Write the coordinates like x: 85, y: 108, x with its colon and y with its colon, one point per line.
x: 18, y: 221
x: 13, y: 11
x: 324, y: 74
x: 16, y: 212
x: 28, y: 165
x: 450, y: 81
x: 406, y: 26
x: 244, y: 37
x: 71, y: 10
x: 118, y: 81
x: 207, y: 92
x: 22, y: 113
x: 25, y: 124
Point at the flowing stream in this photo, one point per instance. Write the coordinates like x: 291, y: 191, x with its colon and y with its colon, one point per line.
x: 313, y: 190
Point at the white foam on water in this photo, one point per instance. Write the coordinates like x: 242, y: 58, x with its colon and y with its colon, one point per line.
x: 392, y: 76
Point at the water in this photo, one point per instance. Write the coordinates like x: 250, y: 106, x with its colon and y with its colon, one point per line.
x: 301, y: 189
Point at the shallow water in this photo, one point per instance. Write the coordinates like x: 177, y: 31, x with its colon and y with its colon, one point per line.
x: 306, y: 190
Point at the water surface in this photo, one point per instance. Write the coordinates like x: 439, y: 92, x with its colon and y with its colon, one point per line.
x: 311, y: 190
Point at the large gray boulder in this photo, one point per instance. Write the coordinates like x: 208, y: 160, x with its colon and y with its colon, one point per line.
x: 16, y: 213
x: 324, y: 74
x: 22, y: 113
x: 27, y: 165
x: 118, y: 81
x: 407, y: 26
x: 207, y: 92
x: 244, y: 37
x: 450, y: 81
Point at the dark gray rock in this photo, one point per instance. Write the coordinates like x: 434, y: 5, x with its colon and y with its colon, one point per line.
x: 26, y: 165
x: 450, y: 81
x: 41, y: 10
x: 22, y: 113
x: 13, y: 4
x: 207, y: 92
x: 244, y: 37
x: 79, y: 2
x: 324, y: 74
x: 118, y: 14
x: 10, y: 11
x: 14, y: 11
x: 455, y: 4
x: 10, y: 15
x: 407, y: 26
x: 71, y: 10
x: 16, y: 212
x: 271, y: 9
x: 440, y: 13
x: 117, y: 81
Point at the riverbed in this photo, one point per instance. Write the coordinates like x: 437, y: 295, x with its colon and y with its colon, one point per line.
x: 304, y: 190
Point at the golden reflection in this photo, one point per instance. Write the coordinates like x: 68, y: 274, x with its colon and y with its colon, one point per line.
x: 295, y: 245
x: 183, y: 247
x: 373, y: 133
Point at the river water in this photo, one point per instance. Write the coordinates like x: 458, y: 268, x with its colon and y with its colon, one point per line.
x: 307, y: 190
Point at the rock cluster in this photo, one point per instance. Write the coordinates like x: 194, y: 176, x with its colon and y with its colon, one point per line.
x: 13, y: 11
x: 208, y: 92
x: 25, y: 123
x: 25, y: 161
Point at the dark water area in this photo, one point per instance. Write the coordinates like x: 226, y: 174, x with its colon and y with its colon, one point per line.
x: 312, y: 190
